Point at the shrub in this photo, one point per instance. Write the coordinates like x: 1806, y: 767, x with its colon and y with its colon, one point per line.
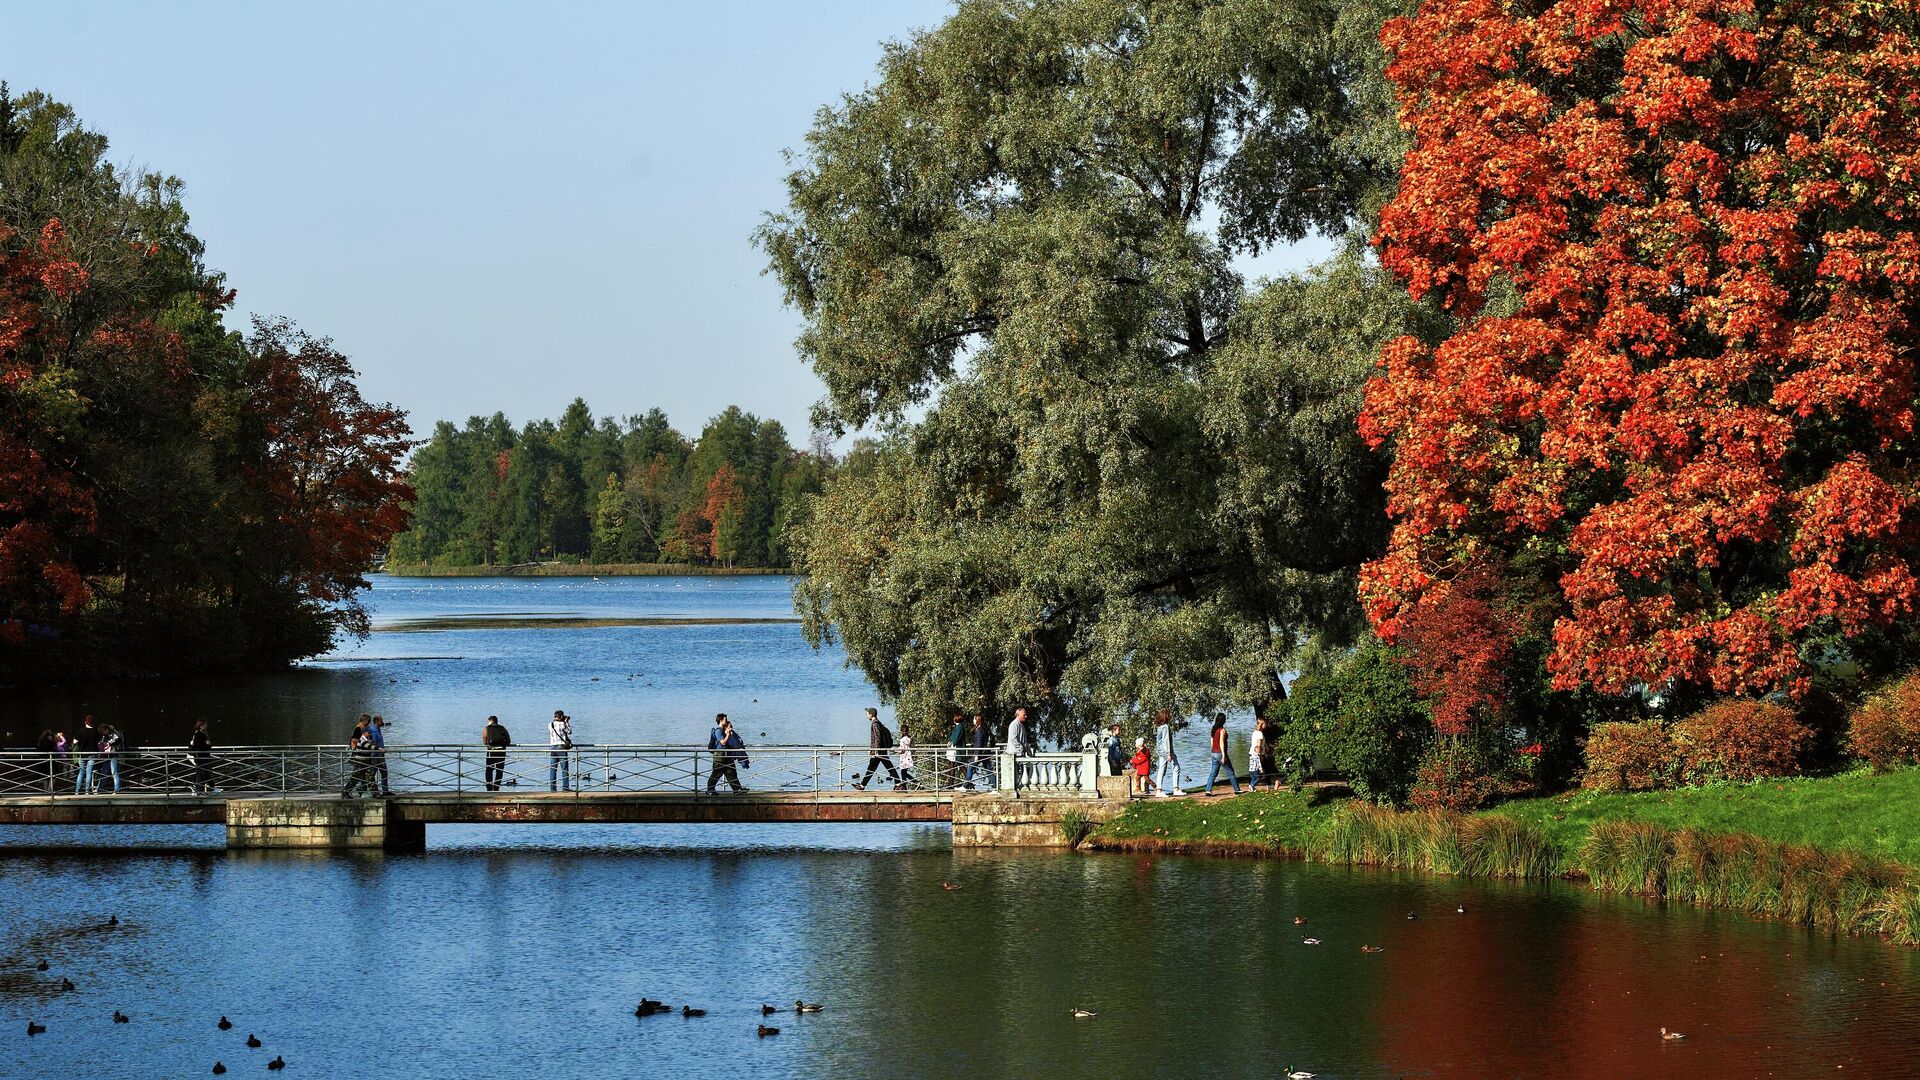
x: 1740, y: 739
x: 1885, y: 730
x: 1361, y: 719
x: 1453, y: 776
x: 1629, y: 757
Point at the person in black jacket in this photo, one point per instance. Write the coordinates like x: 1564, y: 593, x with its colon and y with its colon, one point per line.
x: 728, y: 752
x: 496, y: 739
x: 980, y: 740
x: 200, y: 745
x: 879, y: 741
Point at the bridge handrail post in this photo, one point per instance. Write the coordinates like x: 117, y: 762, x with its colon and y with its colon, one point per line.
x: 1090, y: 773
x: 1009, y: 772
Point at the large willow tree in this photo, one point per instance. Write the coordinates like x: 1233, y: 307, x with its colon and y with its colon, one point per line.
x: 1107, y: 476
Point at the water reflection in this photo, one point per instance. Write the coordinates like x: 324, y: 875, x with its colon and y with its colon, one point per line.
x: 499, y: 952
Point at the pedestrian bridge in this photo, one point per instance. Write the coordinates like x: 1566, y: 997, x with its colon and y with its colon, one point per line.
x: 332, y: 797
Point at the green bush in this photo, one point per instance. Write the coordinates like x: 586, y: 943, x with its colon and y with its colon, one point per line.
x: 1742, y: 740
x: 1363, y: 720
x: 1636, y: 756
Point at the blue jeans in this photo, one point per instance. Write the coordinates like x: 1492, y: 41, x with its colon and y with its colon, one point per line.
x: 1220, y: 762
x: 976, y: 762
x: 1167, y: 779
x: 83, y: 776
x: 558, y: 779
x: 113, y: 770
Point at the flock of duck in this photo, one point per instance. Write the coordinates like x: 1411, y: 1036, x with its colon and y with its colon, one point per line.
x: 67, y: 985
x: 650, y: 1007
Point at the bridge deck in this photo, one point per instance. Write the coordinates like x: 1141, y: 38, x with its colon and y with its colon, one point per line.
x: 453, y: 807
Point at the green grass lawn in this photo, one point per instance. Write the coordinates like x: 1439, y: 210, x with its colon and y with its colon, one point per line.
x: 1877, y: 814
x: 1288, y: 820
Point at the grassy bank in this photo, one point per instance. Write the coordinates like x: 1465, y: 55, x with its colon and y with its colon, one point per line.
x: 1835, y: 852
x: 580, y: 570
x: 1861, y: 812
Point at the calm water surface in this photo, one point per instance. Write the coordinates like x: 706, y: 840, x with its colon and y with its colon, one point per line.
x: 520, y: 951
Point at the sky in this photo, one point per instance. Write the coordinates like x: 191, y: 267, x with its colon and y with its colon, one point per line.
x: 489, y: 206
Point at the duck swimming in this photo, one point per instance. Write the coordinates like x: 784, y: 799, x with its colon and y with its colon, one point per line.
x: 34, y: 1029
x: 253, y: 1043
x: 766, y: 1031
x: 767, y: 1010
x: 1310, y: 941
x: 42, y: 966
x: 121, y: 1018
x: 1084, y: 1014
x: 224, y: 1024
x: 690, y: 1012
x: 1670, y: 1036
x: 802, y: 1007
x: 219, y: 1069
x: 66, y: 983
x: 1298, y: 921
x: 277, y: 1063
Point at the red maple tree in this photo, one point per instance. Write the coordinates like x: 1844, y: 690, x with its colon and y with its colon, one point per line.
x: 1677, y: 238
x: 44, y: 505
x: 328, y: 465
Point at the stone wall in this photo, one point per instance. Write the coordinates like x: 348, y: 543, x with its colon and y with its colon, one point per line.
x: 320, y: 823
x: 1000, y: 821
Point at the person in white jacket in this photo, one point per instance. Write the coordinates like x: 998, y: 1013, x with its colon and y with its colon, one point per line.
x: 559, y: 749
x: 1167, y: 776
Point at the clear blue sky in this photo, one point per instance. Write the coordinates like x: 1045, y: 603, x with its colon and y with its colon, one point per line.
x: 488, y: 206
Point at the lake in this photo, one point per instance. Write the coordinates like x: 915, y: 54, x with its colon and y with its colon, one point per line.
x: 520, y: 951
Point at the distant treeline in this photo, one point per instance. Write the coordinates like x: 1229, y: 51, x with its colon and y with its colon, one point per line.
x: 631, y: 491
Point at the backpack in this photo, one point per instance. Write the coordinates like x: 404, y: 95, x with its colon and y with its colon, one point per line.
x: 886, y: 737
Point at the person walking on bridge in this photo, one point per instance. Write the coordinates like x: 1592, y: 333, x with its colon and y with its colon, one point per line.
x: 200, y: 745
x: 86, y: 743
x: 879, y: 741
x: 956, y: 738
x: 496, y: 739
x: 906, y: 757
x: 46, y: 746
x: 1020, y: 740
x: 1167, y: 777
x: 980, y: 743
x: 729, y: 751
x: 359, y: 760
x: 110, y: 743
x: 559, y: 747
x: 376, y: 730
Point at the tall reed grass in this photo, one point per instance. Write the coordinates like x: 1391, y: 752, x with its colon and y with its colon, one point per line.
x: 1838, y: 890
x: 1437, y: 842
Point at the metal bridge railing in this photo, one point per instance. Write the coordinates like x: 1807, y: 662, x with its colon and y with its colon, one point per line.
x: 462, y: 770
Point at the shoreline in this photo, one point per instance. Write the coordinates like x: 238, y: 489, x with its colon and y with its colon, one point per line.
x: 1833, y: 888
x: 416, y: 570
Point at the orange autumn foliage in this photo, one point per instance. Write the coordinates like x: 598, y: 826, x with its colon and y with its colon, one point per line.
x: 1678, y: 240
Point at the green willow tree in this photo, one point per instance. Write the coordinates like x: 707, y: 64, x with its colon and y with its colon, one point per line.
x: 1134, y: 483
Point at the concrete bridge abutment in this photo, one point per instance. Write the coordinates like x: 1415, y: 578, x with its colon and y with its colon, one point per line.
x: 287, y: 824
